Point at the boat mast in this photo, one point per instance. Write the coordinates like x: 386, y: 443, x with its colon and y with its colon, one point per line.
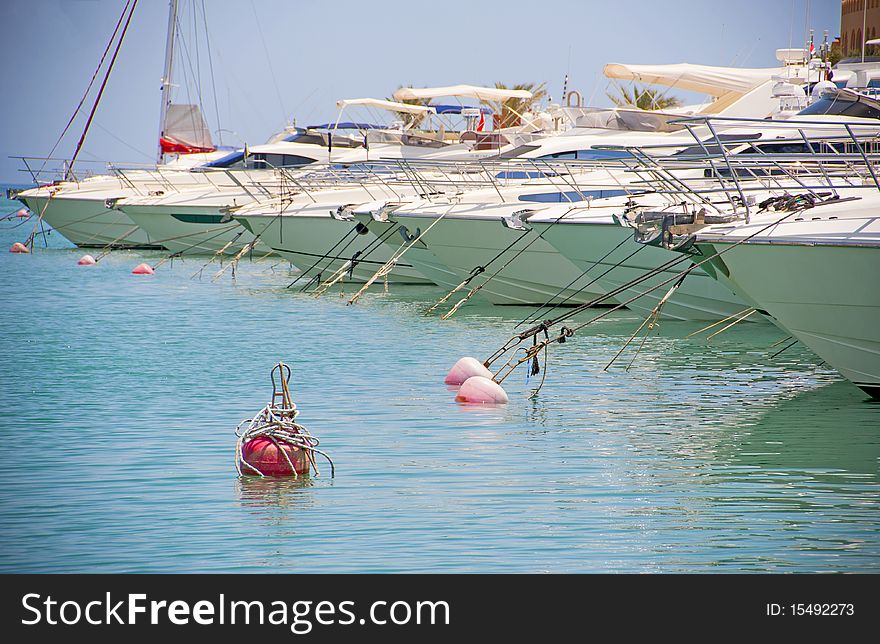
x: 166, y: 76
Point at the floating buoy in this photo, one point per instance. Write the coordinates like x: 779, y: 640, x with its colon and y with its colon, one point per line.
x: 143, y: 269
x: 24, y: 212
x: 478, y: 389
x: 273, y: 443
x: 18, y: 247
x: 464, y: 369
x: 87, y: 260
x: 273, y: 458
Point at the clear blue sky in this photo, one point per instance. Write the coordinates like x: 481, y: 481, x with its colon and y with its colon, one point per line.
x: 322, y: 51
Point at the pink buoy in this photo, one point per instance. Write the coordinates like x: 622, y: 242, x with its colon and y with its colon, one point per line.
x: 24, y: 212
x: 464, y: 369
x: 143, y: 269
x: 478, y: 389
x: 87, y: 260
x: 18, y: 247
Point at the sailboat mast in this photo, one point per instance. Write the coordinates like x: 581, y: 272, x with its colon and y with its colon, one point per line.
x: 166, y: 76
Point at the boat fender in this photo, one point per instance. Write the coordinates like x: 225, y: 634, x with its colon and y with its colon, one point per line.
x: 465, y: 368
x: 480, y: 390
x: 143, y: 269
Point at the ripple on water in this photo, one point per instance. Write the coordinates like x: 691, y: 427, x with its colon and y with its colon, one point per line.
x: 120, y: 395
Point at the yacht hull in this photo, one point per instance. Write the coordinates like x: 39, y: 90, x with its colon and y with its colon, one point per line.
x: 192, y: 229
x: 699, y: 297
x: 319, y: 245
x: 824, y: 295
x: 88, y: 223
x: 529, y: 272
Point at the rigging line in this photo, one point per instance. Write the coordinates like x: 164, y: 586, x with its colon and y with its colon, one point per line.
x: 534, y: 315
x: 651, y: 320
x: 388, y: 266
x: 123, y: 142
x: 477, y: 289
x: 195, y: 38
x: 476, y: 270
x: 785, y: 348
x: 776, y: 344
x: 514, y: 341
x: 326, y: 255
x: 269, y: 62
x: 211, y: 70
x: 736, y: 321
x: 89, y: 88
x: 350, y: 264
x: 192, y: 75
x: 103, y: 84
x: 722, y: 321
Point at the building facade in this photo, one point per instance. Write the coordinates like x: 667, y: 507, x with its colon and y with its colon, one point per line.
x: 859, y: 21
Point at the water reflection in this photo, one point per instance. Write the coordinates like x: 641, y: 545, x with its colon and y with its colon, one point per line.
x: 257, y: 493
x: 826, y: 431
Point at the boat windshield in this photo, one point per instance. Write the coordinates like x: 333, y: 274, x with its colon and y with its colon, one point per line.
x: 836, y: 105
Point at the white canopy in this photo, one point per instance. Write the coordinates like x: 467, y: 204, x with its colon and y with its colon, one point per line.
x: 391, y: 106
x: 715, y: 81
x: 466, y: 91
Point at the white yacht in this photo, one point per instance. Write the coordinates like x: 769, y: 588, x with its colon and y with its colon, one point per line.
x: 532, y: 270
x: 801, y: 243
x: 301, y: 230
x: 815, y: 274
x: 196, y: 221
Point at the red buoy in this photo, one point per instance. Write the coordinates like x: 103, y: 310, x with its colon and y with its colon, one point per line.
x: 265, y: 455
x: 143, y: 269
x: 24, y: 212
x: 18, y: 247
x: 87, y: 260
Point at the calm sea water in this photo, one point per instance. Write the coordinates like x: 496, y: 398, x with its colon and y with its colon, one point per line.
x: 120, y: 394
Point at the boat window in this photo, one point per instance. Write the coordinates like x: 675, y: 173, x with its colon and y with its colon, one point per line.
x: 325, y: 139
x: 712, y: 148
x: 572, y: 195
x: 262, y: 161
x: 587, y: 155
x: 841, y: 107
x: 519, y: 151
x: 233, y: 160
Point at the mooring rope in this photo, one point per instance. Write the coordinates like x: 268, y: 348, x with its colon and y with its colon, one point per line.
x: 796, y: 202
x: 349, y: 265
x: 388, y: 266
x: 478, y: 288
x: 279, y: 425
x: 476, y: 270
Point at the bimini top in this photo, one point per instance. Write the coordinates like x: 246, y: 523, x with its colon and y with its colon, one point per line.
x: 391, y: 106
x: 466, y: 91
x: 458, y: 109
x: 715, y: 81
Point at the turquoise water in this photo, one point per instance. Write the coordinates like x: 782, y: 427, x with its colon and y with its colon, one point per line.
x: 120, y: 395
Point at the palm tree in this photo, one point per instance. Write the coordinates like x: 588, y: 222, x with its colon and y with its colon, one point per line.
x: 411, y: 121
x: 643, y: 98
x: 508, y: 112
